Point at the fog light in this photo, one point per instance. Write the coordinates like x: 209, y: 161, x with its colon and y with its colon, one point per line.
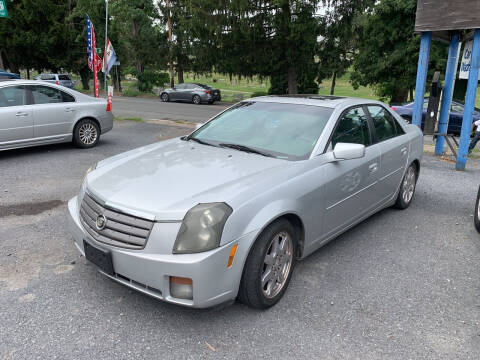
x: 181, y: 288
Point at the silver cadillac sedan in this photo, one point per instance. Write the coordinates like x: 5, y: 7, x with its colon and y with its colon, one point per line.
x: 225, y: 212
x: 35, y: 113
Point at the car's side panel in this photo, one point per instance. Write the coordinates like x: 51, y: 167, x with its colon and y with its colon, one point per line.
x: 53, y: 119
x: 16, y: 123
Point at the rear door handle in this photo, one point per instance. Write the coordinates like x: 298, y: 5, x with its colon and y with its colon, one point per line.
x: 404, y: 151
x: 20, y: 113
x: 69, y: 110
x: 373, y: 167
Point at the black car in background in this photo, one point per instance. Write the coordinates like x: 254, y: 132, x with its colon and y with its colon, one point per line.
x: 191, y: 92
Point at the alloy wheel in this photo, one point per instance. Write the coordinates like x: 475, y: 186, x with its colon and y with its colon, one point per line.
x: 87, y: 134
x: 409, y: 185
x: 277, y: 264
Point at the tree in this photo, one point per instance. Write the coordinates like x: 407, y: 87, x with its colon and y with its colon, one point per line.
x: 388, y: 50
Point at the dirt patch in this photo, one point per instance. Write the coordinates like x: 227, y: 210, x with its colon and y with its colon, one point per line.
x: 168, y: 122
x: 29, y: 208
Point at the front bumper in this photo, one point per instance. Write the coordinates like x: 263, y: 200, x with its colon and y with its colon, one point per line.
x: 149, y: 270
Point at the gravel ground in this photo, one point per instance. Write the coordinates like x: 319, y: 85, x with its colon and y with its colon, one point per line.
x: 401, y: 285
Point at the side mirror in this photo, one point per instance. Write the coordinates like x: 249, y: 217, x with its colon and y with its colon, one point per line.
x: 346, y: 151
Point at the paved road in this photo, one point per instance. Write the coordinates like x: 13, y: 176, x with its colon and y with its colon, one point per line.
x: 149, y: 109
x: 401, y: 285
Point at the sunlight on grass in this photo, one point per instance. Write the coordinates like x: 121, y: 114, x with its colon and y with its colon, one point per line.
x: 137, y: 119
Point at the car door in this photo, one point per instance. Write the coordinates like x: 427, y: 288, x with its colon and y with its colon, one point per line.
x: 351, y: 185
x: 53, y: 111
x: 178, y: 93
x: 16, y: 116
x: 394, y: 148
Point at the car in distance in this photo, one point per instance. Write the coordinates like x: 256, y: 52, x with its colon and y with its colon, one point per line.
x: 36, y: 113
x: 455, y: 120
x: 476, y: 214
x: 4, y: 75
x: 191, y: 92
x: 58, y: 79
x: 276, y: 178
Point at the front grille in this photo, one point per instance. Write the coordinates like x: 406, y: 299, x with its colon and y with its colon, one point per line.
x: 120, y: 229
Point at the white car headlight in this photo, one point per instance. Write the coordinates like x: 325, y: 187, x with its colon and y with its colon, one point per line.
x: 202, y: 228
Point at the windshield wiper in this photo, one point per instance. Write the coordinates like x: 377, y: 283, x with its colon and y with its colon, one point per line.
x: 187, y: 138
x: 245, y: 149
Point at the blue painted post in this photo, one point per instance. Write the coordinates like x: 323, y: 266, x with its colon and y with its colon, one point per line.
x: 422, y: 69
x: 447, y: 92
x: 469, y: 103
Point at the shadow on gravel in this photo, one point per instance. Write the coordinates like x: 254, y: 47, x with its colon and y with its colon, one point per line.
x: 29, y: 208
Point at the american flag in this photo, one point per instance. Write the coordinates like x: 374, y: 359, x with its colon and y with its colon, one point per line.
x: 94, y: 61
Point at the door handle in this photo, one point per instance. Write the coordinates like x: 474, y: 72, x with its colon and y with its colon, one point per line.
x: 20, y: 113
x: 69, y: 110
x: 373, y: 167
x: 404, y: 151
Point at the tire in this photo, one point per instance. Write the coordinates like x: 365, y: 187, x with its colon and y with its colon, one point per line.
x: 476, y: 214
x: 196, y: 100
x: 407, y: 119
x: 164, y: 97
x: 86, y: 134
x: 253, y: 292
x: 407, y: 188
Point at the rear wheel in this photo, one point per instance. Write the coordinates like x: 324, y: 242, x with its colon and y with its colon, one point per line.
x: 269, y: 266
x: 196, y: 99
x: 407, y: 188
x: 86, y: 134
x: 476, y: 215
x: 164, y: 97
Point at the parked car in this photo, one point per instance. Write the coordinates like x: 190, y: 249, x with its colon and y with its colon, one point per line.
x: 34, y: 113
x: 456, y: 115
x: 58, y: 79
x: 4, y: 75
x: 275, y: 178
x: 191, y: 92
x: 476, y: 214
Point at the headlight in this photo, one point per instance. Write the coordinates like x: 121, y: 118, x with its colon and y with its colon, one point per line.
x: 202, y: 228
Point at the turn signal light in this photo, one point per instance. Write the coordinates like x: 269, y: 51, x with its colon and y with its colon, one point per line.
x: 58, y: 82
x: 394, y: 108
x: 232, y: 255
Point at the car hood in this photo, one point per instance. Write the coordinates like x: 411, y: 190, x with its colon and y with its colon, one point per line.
x: 166, y: 179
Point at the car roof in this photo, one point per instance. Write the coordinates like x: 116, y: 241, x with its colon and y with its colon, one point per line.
x: 315, y: 100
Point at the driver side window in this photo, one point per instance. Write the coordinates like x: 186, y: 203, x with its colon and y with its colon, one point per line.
x: 352, y: 128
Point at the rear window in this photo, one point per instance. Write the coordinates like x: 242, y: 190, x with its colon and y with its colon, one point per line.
x: 64, y: 77
x: 47, y: 77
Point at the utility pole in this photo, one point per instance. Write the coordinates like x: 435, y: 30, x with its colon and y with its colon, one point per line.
x: 170, y: 60
x: 105, y: 48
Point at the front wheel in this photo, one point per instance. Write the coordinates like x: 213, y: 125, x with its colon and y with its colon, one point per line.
x: 86, y: 134
x: 269, y: 266
x: 164, y: 97
x: 476, y: 215
x: 407, y: 188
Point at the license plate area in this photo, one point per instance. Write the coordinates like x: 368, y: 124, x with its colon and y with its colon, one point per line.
x: 100, y: 257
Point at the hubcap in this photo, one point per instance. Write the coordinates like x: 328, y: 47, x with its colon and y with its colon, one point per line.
x: 277, y: 264
x: 196, y: 100
x: 478, y: 211
x: 409, y: 184
x: 164, y: 97
x: 88, y: 134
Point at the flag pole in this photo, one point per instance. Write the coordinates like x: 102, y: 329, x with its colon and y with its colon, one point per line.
x: 105, y: 49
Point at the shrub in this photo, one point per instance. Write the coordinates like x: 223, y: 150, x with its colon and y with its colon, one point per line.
x: 148, y: 79
x: 259, y: 93
x: 131, y: 92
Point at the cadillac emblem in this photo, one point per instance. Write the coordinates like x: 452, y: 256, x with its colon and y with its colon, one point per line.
x: 101, y: 222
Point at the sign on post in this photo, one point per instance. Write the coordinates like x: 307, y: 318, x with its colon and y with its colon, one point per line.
x: 466, y: 61
x: 3, y: 9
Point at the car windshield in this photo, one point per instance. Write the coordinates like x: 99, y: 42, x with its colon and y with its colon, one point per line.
x: 284, y: 131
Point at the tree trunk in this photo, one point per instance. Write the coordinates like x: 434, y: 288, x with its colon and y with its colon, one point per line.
x: 28, y: 73
x: 1, y: 61
x: 400, y: 96
x: 292, y: 80
x: 85, y: 76
x: 180, y: 71
x: 411, y: 94
x: 334, y: 80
